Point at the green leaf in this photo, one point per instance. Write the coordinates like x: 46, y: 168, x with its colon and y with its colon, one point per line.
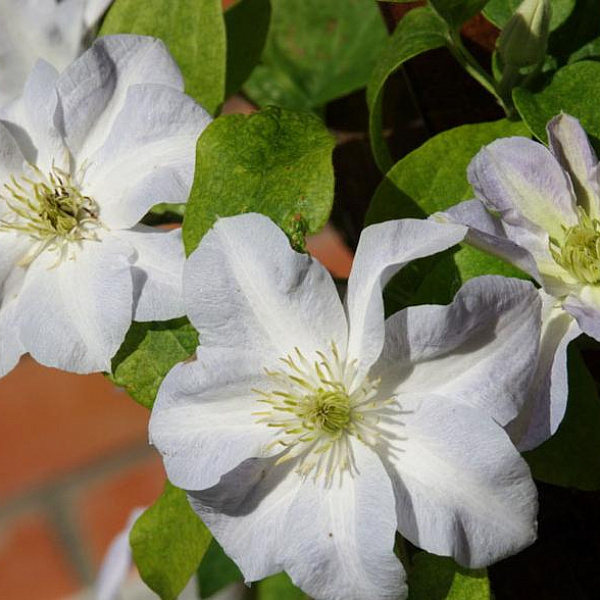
x: 571, y: 457
x: 194, y: 32
x: 574, y: 89
x: 317, y: 51
x: 148, y: 353
x: 440, y: 578
x: 456, y: 12
x: 216, y: 571
x: 276, y: 162
x: 279, y: 587
x: 168, y: 542
x: 420, y: 30
x: 500, y: 11
x: 430, y: 179
x: 247, y: 26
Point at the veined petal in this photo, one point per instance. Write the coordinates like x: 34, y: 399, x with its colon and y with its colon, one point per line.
x: 482, y: 349
x: 148, y: 157
x: 74, y: 315
x: 462, y: 489
x: 11, y: 157
x: 92, y: 90
x: 521, y: 180
x: 245, y: 288
x: 335, y: 542
x: 157, y: 272
x: 569, y: 144
x: 585, y: 307
x: 382, y: 251
x: 202, y: 421
x: 547, y: 400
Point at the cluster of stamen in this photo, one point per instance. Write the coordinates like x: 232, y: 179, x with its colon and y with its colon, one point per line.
x: 49, y: 208
x: 579, y: 250
x: 317, y: 406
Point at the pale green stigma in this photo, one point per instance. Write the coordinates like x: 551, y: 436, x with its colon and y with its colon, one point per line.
x: 579, y: 250
x: 49, y: 208
x: 316, y: 407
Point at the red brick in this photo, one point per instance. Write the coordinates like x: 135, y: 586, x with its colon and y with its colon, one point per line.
x: 329, y: 248
x: 52, y: 423
x: 103, y: 507
x: 32, y: 563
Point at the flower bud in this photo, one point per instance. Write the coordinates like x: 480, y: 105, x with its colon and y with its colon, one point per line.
x: 523, y: 40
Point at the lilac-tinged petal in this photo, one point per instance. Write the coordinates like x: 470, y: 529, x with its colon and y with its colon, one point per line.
x: 382, y: 251
x: 521, y: 180
x: 585, y: 307
x: 481, y: 349
x: 245, y: 288
x: 570, y: 145
x: 462, y: 489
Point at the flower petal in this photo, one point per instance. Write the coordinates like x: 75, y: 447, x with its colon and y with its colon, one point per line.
x: 245, y: 288
x: 481, y: 349
x: 202, y: 421
x: 569, y: 144
x: 547, y: 400
x: 157, y: 272
x: 335, y: 541
x: 92, y: 89
x: 521, y: 180
x: 94, y: 9
x: 74, y: 315
x: 585, y: 307
x: 462, y: 489
x: 11, y: 157
x: 148, y: 157
x: 382, y: 251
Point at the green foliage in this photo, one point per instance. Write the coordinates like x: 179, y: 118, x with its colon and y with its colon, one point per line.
x: 420, y: 30
x: 428, y: 180
x: 571, y: 457
x: 276, y: 162
x: 317, y: 51
x: 500, y: 11
x: 194, y: 32
x: 247, y: 26
x: 456, y: 12
x: 574, y: 90
x: 148, y: 353
x: 168, y: 542
x: 216, y: 571
x: 440, y: 578
x: 279, y: 587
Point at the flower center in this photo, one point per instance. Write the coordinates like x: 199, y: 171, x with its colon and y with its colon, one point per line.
x: 317, y: 407
x: 49, y: 208
x: 579, y: 252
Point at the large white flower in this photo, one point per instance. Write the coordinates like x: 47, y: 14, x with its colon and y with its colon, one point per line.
x: 545, y: 215
x: 83, y: 157
x: 55, y: 30
x: 308, y: 432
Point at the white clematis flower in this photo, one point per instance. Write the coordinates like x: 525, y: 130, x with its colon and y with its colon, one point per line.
x: 55, y: 30
x: 546, y: 221
x: 83, y: 156
x: 308, y: 432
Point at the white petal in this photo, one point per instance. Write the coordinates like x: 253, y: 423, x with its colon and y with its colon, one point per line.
x: 245, y: 288
x: 157, y: 272
x: 92, y: 89
x: 569, y: 143
x: 547, y: 399
x: 462, y: 489
x: 94, y: 9
x: 489, y: 234
x: 585, y: 307
x: 521, y: 180
x: 74, y: 315
x: 382, y: 251
x: 202, y: 421
x: 335, y: 542
x: 481, y: 349
x: 148, y: 157
x: 11, y: 157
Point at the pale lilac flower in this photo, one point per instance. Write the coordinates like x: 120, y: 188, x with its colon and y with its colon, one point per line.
x: 84, y: 155
x: 539, y: 208
x: 307, y: 431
